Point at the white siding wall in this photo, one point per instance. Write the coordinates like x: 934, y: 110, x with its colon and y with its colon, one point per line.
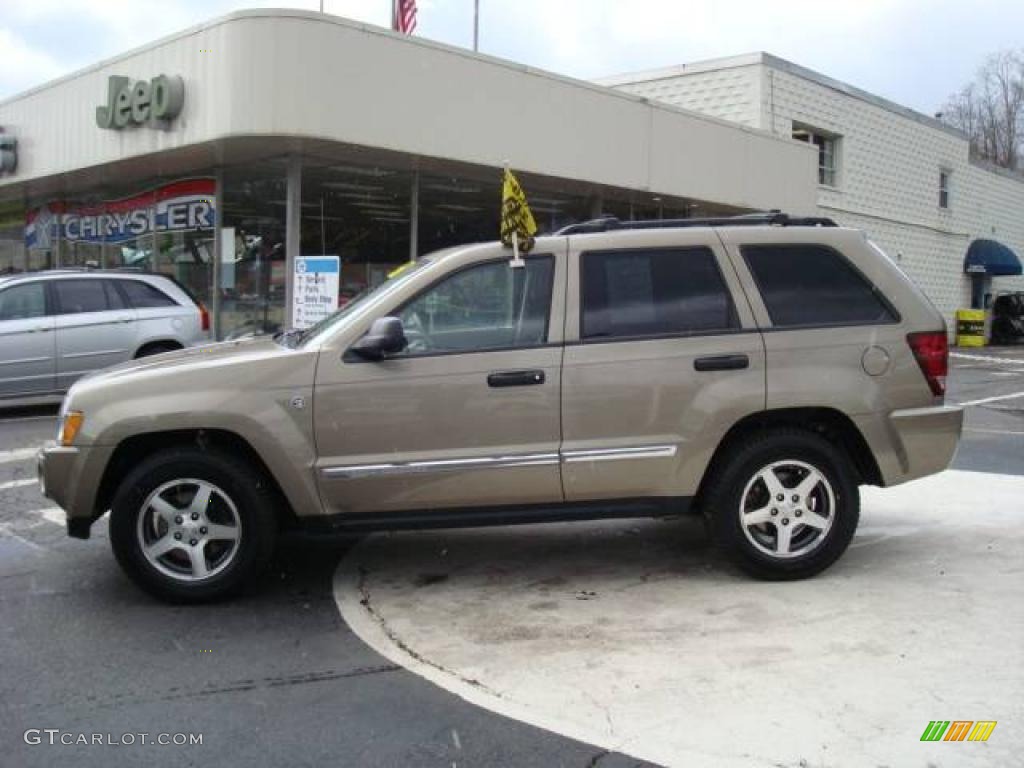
x: 889, y: 166
x: 730, y: 94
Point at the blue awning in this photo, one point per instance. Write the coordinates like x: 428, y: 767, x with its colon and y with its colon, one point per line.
x: 988, y: 257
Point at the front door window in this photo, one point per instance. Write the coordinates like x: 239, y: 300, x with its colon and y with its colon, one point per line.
x: 489, y: 306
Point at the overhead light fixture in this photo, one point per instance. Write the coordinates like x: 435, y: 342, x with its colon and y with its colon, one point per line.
x: 452, y: 188
x: 352, y: 185
x: 363, y: 195
x: 458, y: 208
x: 355, y: 170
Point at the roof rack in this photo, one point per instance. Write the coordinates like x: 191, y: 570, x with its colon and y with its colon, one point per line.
x: 767, y: 218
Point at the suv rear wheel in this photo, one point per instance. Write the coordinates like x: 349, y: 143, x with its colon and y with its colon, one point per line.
x: 784, y: 505
x: 191, y: 525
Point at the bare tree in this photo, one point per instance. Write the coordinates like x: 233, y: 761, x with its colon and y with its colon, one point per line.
x: 990, y: 110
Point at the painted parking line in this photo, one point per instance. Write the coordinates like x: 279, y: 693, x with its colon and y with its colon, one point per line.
x: 637, y: 637
x: 994, y: 431
x: 994, y: 399
x: 18, y: 483
x: 987, y: 358
x: 19, y: 454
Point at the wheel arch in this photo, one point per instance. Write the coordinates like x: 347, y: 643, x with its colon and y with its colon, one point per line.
x: 831, y: 424
x: 170, y: 344
x: 132, y: 450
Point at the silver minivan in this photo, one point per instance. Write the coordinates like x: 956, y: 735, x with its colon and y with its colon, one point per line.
x: 58, y: 325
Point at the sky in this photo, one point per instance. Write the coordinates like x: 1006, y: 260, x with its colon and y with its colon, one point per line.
x: 914, y: 52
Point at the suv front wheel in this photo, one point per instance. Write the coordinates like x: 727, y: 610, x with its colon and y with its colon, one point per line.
x: 783, y: 504
x: 191, y: 525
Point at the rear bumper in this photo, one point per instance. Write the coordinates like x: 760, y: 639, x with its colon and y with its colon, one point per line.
x: 70, y: 477
x: 914, y: 442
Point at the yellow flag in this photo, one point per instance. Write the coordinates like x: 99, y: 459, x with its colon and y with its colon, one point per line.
x: 515, y: 214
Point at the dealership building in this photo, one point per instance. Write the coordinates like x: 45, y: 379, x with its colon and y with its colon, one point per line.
x: 223, y: 154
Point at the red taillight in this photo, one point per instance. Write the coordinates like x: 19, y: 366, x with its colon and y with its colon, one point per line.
x: 204, y: 317
x: 931, y: 350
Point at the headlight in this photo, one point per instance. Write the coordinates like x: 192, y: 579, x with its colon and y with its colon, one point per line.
x: 68, y: 427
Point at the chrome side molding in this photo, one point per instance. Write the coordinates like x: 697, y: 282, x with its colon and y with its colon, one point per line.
x: 442, y: 465
x: 352, y: 471
x: 613, y: 454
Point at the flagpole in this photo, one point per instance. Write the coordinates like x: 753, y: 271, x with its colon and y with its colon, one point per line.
x: 394, y: 15
x: 476, y: 25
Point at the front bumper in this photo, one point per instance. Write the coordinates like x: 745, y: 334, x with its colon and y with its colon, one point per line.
x: 913, y: 442
x: 70, y: 476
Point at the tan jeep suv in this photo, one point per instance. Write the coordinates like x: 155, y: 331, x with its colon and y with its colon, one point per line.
x: 756, y: 369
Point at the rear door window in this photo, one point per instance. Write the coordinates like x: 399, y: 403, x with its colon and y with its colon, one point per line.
x: 814, y: 285
x: 80, y: 296
x: 658, y: 292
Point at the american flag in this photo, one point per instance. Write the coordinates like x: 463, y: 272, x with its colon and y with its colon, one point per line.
x: 405, y: 16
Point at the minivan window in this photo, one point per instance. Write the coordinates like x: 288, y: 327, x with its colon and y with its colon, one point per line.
x: 21, y: 302
x: 658, y: 292
x: 78, y: 296
x: 487, y: 306
x: 813, y: 285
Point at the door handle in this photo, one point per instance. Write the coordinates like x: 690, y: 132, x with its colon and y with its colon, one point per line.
x: 722, y: 363
x: 41, y: 329
x: 125, y: 319
x: 515, y: 378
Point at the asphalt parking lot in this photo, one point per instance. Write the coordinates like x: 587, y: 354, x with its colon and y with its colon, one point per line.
x: 599, y: 644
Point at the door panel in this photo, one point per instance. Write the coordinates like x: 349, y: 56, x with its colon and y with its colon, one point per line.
x: 641, y: 417
x: 27, y: 343
x: 94, y: 329
x: 27, y: 361
x: 386, y: 430
x: 439, y: 429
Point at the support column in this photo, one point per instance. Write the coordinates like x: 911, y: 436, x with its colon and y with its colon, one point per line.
x: 293, y: 233
x: 218, y: 252
x: 414, y: 217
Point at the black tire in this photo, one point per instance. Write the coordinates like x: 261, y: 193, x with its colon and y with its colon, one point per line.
x: 247, y: 489
x: 157, y: 349
x: 740, y: 466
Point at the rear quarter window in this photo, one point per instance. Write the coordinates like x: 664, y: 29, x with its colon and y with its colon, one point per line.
x: 814, y: 285
x: 144, y: 296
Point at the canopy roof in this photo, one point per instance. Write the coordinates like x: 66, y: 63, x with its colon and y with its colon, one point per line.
x: 991, y: 258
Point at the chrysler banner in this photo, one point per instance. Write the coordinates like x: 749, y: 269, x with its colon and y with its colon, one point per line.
x: 180, y: 206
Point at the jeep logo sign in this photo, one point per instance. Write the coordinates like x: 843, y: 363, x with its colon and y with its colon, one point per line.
x: 156, y: 102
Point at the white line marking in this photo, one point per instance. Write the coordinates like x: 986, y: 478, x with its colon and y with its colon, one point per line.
x: 987, y: 358
x: 53, y: 515
x: 993, y: 431
x: 5, y: 530
x: 984, y: 400
x: 17, y: 455
x: 17, y: 483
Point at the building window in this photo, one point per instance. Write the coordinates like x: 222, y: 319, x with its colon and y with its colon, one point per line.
x: 828, y: 152
x: 944, y: 189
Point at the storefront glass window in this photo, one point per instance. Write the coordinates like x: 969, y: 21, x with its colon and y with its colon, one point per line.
x: 253, y: 272
x: 360, y: 214
x: 12, y: 238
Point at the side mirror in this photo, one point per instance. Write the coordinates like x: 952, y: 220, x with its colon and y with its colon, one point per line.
x: 385, y: 337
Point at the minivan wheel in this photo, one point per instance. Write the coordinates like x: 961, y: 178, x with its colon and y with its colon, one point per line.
x: 783, y: 505
x: 191, y: 525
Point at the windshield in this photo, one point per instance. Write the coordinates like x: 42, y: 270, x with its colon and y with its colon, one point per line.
x: 325, y: 327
